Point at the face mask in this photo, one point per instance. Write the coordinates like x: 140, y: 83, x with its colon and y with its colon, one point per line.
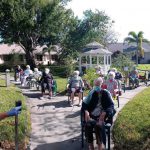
x: 97, y: 88
x: 111, y: 77
x: 75, y: 76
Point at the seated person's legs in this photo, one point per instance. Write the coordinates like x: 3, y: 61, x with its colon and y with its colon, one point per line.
x: 98, y: 133
x: 43, y: 88
x: 136, y: 81
x: 49, y: 87
x: 89, y: 135
x: 72, y: 94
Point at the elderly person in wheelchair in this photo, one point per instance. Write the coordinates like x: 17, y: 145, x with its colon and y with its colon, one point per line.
x: 76, y: 85
x: 95, y: 106
x: 134, y: 78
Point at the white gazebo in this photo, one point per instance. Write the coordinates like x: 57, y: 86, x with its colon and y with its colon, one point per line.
x: 95, y: 54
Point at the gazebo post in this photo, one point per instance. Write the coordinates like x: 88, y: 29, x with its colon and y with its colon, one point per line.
x: 97, y: 60
x: 90, y: 61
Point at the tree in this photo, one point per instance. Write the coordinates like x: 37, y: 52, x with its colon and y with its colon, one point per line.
x: 30, y: 23
x: 120, y: 60
x: 93, y: 27
x: 138, y: 39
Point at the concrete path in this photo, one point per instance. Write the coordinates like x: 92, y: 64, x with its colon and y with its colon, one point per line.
x: 55, y: 125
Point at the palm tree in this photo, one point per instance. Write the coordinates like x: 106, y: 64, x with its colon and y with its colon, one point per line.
x: 49, y: 49
x: 138, y: 39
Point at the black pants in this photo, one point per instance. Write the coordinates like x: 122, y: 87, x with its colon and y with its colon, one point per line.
x: 99, y: 132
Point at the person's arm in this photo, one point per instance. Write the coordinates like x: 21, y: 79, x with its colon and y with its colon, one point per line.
x: 13, y: 112
x: 3, y: 115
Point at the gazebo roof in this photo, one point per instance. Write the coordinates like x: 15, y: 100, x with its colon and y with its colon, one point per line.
x: 98, y: 51
x: 94, y: 45
x: 95, y: 48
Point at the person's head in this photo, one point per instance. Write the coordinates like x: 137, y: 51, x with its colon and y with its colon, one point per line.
x: 47, y: 70
x: 28, y: 67
x: 134, y: 68
x: 98, y: 82
x: 111, y: 75
x: 114, y: 70
x: 36, y: 70
x: 98, y: 67
x: 76, y: 73
x: 18, y: 67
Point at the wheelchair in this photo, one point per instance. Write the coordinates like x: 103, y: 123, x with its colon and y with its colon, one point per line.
x: 76, y: 93
x: 107, y: 127
x: 133, y: 83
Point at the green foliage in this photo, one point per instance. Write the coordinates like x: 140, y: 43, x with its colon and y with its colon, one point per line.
x: 31, y: 23
x: 120, y: 61
x: 7, y: 101
x: 144, y: 67
x: 138, y: 39
x: 90, y: 76
x: 132, y: 127
x: 93, y: 27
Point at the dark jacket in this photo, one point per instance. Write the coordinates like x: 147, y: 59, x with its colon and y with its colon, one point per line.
x: 106, y: 102
x: 47, y: 78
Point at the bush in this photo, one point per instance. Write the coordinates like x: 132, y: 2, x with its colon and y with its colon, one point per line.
x: 7, y: 101
x: 132, y: 128
x: 56, y: 70
x: 90, y: 76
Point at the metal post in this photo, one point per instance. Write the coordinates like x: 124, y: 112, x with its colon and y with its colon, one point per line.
x: 16, y: 132
x: 7, y: 77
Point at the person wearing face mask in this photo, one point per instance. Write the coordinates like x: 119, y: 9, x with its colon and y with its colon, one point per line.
x: 111, y: 84
x: 25, y: 75
x: 76, y: 85
x: 46, y: 82
x: 95, y: 106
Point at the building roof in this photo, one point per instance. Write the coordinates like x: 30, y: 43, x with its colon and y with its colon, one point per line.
x: 94, y: 45
x: 126, y: 48
x: 95, y: 48
x: 6, y: 49
x: 98, y: 51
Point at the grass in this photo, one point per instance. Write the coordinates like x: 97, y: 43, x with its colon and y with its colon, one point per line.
x: 8, y: 96
x: 144, y: 67
x: 61, y: 83
x: 132, y: 127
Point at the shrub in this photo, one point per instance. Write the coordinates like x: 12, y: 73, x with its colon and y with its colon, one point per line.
x: 132, y: 128
x: 90, y: 76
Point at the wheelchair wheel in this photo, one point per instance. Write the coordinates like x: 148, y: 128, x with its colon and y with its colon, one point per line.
x: 118, y: 101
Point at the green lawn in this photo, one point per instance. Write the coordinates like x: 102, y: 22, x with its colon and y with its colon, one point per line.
x: 8, y: 96
x: 132, y: 128
x: 144, y: 67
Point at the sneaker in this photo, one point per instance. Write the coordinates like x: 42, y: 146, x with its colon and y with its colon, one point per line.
x: 71, y: 104
x: 49, y: 97
x: 42, y: 98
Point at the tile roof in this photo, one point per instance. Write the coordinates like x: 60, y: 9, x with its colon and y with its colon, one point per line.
x: 126, y: 48
x: 6, y: 49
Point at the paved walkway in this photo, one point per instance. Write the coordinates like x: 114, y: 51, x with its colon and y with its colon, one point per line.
x: 55, y: 125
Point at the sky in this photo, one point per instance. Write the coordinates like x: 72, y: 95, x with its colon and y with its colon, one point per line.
x: 129, y: 15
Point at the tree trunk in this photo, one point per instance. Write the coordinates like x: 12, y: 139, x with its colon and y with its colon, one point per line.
x: 30, y: 59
